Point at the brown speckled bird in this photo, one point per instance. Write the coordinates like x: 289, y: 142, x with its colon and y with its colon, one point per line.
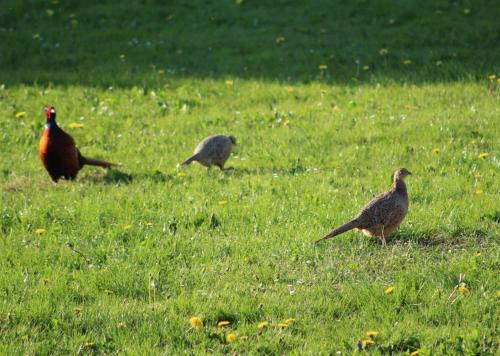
x: 213, y: 150
x: 58, y: 151
x: 383, y: 214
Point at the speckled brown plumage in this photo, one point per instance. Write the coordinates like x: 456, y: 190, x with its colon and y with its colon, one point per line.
x: 213, y: 150
x: 383, y: 214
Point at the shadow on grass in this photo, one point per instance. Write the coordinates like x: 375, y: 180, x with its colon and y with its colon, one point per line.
x: 457, y: 238
x: 110, y: 176
x: 148, y: 43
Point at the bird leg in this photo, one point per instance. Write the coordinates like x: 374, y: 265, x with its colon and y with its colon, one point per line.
x: 382, y: 238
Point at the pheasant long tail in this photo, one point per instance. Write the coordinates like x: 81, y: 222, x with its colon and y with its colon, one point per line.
x: 190, y: 159
x: 340, y: 230
x: 97, y: 162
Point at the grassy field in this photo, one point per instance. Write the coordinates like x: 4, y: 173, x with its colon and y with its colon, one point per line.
x: 326, y: 99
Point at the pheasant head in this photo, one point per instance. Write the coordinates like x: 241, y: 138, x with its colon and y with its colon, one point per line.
x: 401, y: 174
x: 50, y: 115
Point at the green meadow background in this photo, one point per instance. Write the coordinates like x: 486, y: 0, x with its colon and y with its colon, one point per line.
x: 326, y: 100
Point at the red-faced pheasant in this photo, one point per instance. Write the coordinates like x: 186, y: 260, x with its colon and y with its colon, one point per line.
x: 58, y: 151
x: 213, y: 150
x: 383, y: 214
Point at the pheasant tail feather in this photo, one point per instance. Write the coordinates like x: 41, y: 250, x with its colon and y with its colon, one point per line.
x: 340, y: 230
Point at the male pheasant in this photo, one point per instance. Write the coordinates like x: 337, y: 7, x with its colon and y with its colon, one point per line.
x: 58, y: 152
x: 213, y: 150
x: 383, y: 214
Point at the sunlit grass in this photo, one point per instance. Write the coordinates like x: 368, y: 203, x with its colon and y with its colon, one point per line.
x: 237, y: 246
x: 158, y: 258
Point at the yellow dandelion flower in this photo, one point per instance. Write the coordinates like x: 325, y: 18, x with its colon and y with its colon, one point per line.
x: 415, y: 353
x: 436, y: 151
x: 223, y: 323
x: 323, y: 67
x: 222, y: 202
x: 498, y: 293
x: 369, y: 342
x: 280, y: 39
x: 195, y: 322
x: 181, y: 174
x: 479, y: 192
x: 229, y: 82
x: 127, y: 227
x: 463, y: 290
x: 39, y: 231
x: 366, y: 67
x: 383, y: 51
x: 477, y: 253
x: 77, y: 310
x: 88, y: 344
x: 483, y: 155
x: 21, y: 114
x: 36, y: 36
x: 230, y: 338
x: 492, y: 77
x: 466, y: 11
x: 371, y: 334
x: 50, y: 12
x: 389, y: 290
x: 392, y: 21
x: 407, y: 61
x: 262, y: 324
x: 438, y: 63
x: 76, y: 125
x: 282, y: 325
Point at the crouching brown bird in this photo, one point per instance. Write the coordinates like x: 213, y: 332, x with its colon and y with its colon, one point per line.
x: 58, y: 151
x: 213, y: 150
x: 383, y: 214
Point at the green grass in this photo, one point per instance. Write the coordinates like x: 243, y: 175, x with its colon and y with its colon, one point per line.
x: 313, y: 147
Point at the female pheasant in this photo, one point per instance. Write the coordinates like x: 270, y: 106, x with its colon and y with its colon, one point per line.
x: 58, y: 151
x: 213, y: 150
x: 383, y: 214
